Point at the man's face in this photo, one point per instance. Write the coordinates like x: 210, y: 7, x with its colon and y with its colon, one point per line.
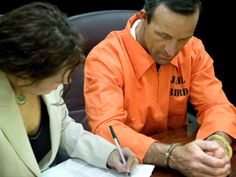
x: 167, y: 33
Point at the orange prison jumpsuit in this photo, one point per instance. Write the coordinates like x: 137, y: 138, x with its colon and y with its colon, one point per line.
x: 124, y: 89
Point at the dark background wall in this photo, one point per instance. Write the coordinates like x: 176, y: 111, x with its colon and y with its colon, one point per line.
x: 215, y: 28
x: 73, y: 7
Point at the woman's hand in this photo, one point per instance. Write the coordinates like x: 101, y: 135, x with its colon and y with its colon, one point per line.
x: 114, y: 161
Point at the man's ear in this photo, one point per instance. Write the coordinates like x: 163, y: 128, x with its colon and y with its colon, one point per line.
x: 143, y: 16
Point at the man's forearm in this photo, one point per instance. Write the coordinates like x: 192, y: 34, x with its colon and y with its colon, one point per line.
x: 156, y: 154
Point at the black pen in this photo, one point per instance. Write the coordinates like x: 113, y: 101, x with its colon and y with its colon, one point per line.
x: 118, y: 147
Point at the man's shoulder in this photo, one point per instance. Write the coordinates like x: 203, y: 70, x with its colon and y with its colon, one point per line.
x: 193, y: 48
x: 113, y: 44
x: 193, y: 51
x: 194, y: 43
x: 114, y: 38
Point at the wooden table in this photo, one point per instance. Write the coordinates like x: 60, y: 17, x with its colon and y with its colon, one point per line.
x: 180, y: 135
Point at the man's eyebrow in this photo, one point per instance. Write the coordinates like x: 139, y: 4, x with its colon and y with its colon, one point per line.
x: 169, y: 36
x: 162, y: 33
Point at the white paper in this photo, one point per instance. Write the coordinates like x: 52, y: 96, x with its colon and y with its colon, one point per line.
x: 79, y: 168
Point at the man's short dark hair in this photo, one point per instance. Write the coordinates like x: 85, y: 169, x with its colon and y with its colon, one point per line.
x: 184, y: 7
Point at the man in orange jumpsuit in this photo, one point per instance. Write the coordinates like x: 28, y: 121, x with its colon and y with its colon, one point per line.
x: 139, y: 81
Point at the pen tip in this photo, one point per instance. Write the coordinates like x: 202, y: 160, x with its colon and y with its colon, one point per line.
x: 128, y: 173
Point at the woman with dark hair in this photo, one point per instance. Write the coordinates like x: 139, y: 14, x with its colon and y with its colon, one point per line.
x: 38, y: 51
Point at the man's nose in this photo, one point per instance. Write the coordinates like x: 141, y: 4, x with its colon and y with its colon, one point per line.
x: 171, y: 48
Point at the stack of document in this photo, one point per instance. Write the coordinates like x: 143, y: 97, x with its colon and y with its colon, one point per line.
x: 79, y: 168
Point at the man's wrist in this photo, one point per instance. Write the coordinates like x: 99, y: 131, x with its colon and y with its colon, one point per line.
x: 169, y: 152
x: 225, y: 136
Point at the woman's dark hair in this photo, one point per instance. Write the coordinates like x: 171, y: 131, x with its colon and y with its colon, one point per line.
x: 36, y: 41
x: 184, y: 7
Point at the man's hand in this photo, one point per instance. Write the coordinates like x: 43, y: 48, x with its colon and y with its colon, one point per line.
x: 201, y: 158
